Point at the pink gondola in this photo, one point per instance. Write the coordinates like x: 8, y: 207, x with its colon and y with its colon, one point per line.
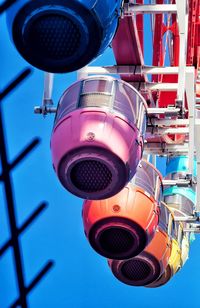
x: 97, y: 140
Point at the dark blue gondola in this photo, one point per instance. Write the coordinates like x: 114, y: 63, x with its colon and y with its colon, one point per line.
x: 62, y: 35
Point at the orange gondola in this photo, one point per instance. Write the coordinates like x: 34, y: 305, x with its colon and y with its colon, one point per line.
x: 175, y: 260
x: 152, y: 262
x: 122, y: 226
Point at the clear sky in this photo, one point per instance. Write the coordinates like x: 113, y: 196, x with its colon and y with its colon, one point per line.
x: 80, y: 277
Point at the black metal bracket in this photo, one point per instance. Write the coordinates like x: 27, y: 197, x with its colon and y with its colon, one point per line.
x: 5, y: 178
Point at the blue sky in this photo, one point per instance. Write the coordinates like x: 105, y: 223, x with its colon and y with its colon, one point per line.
x: 80, y: 278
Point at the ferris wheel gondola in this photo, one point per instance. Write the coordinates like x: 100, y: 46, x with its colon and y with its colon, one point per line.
x: 106, y: 125
x: 62, y: 35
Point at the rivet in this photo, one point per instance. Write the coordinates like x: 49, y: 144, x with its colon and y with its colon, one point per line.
x: 116, y: 208
x: 90, y: 136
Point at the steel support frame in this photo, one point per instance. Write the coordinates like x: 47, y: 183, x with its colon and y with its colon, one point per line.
x: 150, y: 8
x: 186, y: 81
x: 15, y: 230
x: 128, y: 69
x: 182, y: 16
x: 163, y: 149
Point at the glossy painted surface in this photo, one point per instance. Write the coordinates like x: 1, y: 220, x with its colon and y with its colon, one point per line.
x: 130, y: 208
x: 182, y: 199
x: 179, y: 164
x: 134, y: 208
x: 92, y: 23
x: 155, y: 256
x: 97, y: 135
x: 85, y: 130
x: 172, y: 267
x: 175, y: 261
x: 185, y: 248
x: 178, y: 257
x: 160, y: 248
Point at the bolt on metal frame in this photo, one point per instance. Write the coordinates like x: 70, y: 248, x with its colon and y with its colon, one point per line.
x: 6, y: 180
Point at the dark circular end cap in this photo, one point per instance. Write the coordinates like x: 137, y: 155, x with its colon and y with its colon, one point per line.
x: 117, y: 238
x: 57, y: 36
x: 138, y: 271
x: 92, y: 173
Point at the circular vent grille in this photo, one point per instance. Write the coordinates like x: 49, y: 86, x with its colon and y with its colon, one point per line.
x: 57, y: 36
x: 54, y: 36
x: 136, y: 270
x: 116, y: 240
x: 91, y: 176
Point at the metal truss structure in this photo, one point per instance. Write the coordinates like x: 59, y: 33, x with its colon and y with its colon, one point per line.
x: 6, y: 180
